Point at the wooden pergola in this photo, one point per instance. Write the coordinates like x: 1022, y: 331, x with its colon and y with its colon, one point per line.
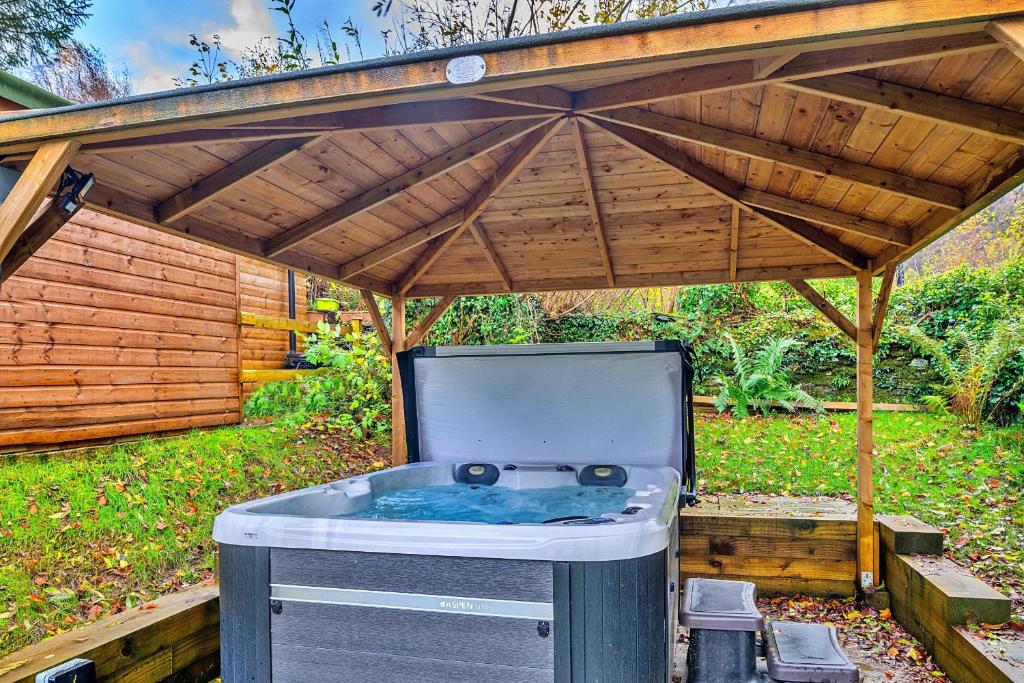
x: 787, y: 141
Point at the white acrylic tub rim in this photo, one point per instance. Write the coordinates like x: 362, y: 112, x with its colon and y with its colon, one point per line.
x: 644, y: 533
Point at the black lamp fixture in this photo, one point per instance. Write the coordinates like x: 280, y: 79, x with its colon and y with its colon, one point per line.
x: 72, y: 189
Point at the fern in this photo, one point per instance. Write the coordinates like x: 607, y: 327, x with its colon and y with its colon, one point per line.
x: 761, y: 382
x: 971, y: 373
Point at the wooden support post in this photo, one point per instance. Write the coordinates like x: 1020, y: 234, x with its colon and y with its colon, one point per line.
x: 398, y: 450
x: 865, y: 434
x: 882, y: 307
x: 28, y: 193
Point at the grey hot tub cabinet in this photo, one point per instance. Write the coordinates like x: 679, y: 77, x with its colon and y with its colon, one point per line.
x: 306, y: 596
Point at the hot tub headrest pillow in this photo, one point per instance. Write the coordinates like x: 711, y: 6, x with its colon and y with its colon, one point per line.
x: 602, y: 475
x: 473, y: 473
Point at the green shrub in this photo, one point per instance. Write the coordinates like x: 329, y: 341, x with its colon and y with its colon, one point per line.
x: 350, y: 394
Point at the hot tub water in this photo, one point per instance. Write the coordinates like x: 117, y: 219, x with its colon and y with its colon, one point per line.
x: 494, y: 504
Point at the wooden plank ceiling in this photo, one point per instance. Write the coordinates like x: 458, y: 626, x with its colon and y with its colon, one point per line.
x: 800, y: 161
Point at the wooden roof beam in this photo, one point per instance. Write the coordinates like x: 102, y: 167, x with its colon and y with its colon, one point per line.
x: 972, y: 117
x: 30, y: 190
x: 378, y: 320
x: 1010, y: 176
x: 417, y: 334
x: 505, y: 174
x: 433, y: 168
x: 825, y: 306
x: 541, y: 96
x: 490, y: 254
x: 112, y: 202
x: 588, y: 188
x: 819, y: 214
x: 401, y: 245
x: 882, y: 307
x: 813, y: 62
x: 209, y: 188
x: 728, y: 190
x: 660, y: 279
x: 1009, y: 32
x: 787, y: 155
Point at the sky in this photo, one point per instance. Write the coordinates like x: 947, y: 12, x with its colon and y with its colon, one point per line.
x: 151, y: 38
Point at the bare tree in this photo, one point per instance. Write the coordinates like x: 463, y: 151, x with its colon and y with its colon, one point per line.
x: 80, y: 73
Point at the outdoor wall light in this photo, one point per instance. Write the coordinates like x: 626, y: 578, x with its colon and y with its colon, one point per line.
x: 72, y: 190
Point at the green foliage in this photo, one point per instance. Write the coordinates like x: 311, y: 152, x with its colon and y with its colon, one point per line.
x: 351, y: 393
x: 33, y: 31
x: 761, y: 381
x: 970, y: 373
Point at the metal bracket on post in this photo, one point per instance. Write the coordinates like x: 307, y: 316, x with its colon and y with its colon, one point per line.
x: 867, y: 580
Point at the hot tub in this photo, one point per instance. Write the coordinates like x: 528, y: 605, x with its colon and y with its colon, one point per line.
x: 532, y: 537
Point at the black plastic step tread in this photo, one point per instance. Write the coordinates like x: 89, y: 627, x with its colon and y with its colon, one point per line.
x: 806, y: 653
x: 720, y: 605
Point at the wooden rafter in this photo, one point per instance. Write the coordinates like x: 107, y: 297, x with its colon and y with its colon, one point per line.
x: 433, y: 315
x: 815, y: 299
x: 490, y: 254
x: 23, y: 201
x: 734, y: 241
x: 401, y: 245
x: 926, y: 232
x: 882, y: 307
x: 1009, y: 32
x: 655, y: 279
x: 378, y: 320
x: 112, y: 202
x: 972, y: 117
x: 212, y: 186
x: 452, y: 159
x: 751, y: 73
x: 819, y: 214
x: 787, y: 155
x: 588, y: 188
x: 45, y: 226
x: 543, y: 97
x: 729, y: 190
x: 505, y: 174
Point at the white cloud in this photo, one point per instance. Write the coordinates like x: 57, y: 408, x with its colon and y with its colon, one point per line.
x: 149, y: 75
x: 252, y: 22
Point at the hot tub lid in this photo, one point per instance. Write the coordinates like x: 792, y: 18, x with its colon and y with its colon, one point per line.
x: 574, y: 404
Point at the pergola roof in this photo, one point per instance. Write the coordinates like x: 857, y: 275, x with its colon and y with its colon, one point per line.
x: 773, y: 141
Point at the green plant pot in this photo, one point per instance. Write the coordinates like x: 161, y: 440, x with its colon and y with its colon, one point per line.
x: 326, y: 305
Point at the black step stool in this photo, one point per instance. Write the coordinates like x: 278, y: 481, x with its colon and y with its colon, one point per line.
x: 724, y: 622
x: 806, y: 653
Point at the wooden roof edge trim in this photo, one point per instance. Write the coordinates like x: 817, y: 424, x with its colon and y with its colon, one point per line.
x: 810, y: 61
x: 510, y: 65
x: 1010, y: 177
x: 112, y: 202
x: 625, y: 281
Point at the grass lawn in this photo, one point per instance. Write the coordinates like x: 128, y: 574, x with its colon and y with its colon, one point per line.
x: 88, y: 536
x: 964, y: 482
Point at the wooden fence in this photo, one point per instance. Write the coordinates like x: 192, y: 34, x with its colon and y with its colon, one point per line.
x: 113, y: 330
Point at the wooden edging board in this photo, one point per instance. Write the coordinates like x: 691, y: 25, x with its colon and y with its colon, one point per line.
x: 175, y: 635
